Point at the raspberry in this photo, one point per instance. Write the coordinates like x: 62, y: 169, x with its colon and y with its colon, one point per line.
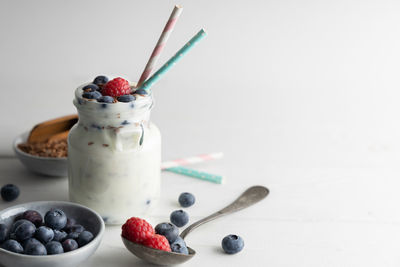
x: 158, y: 242
x: 137, y: 230
x: 116, y: 87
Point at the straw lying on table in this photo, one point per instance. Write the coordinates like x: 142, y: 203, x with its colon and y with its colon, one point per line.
x: 175, y: 166
x: 160, y: 44
x: 159, y: 73
x: 191, y: 160
x: 218, y: 179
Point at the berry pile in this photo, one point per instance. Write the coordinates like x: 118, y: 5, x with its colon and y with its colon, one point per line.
x: 165, y: 236
x: 108, y: 91
x: 32, y: 234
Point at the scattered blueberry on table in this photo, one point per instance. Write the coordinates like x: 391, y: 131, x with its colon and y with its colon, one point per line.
x: 186, y: 199
x: 179, y: 218
x: 31, y: 235
x: 232, y: 244
x: 9, y: 192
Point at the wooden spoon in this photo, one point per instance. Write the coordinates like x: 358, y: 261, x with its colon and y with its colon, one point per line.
x: 53, y: 129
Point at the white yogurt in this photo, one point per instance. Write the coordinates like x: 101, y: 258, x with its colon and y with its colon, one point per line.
x: 114, y: 158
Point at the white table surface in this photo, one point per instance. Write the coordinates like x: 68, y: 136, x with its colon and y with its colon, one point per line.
x: 301, y: 96
x: 312, y: 217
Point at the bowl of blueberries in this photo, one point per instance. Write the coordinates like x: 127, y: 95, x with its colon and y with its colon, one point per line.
x: 48, y: 234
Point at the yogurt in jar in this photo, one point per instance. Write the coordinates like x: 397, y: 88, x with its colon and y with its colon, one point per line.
x: 114, y: 157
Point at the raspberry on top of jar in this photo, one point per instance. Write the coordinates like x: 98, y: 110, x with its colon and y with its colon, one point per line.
x: 112, y: 91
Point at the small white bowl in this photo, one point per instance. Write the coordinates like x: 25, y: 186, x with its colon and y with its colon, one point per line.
x: 40, y: 165
x: 83, y: 215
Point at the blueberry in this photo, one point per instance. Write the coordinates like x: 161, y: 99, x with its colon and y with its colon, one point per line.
x: 55, y: 219
x: 9, y: 192
x: 34, y: 247
x: 29, y: 242
x: 179, y: 240
x: 69, y: 245
x: 3, y: 232
x: 168, y: 230
x: 90, y: 88
x: 141, y: 92
x: 232, y: 244
x: 100, y: 80
x: 44, y: 234
x: 76, y: 228
x: 33, y: 216
x: 126, y: 98
x: 178, y: 248
x: 59, y: 236
x: 179, y: 218
x: 16, y: 224
x: 186, y: 199
x: 70, y: 223
x: 84, y: 238
x: 12, y: 245
x: 18, y: 217
x: 25, y: 231
x: 54, y: 247
x: 91, y: 95
x: 106, y: 99
x: 73, y: 235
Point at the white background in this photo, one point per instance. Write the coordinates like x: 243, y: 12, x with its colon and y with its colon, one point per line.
x: 301, y: 96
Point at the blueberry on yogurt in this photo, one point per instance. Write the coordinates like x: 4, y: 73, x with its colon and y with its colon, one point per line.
x: 100, y: 80
x: 91, y: 95
x: 141, y: 92
x: 126, y: 98
x: 90, y: 88
x: 105, y: 99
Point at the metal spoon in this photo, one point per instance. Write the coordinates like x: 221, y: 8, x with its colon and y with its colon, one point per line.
x: 251, y: 196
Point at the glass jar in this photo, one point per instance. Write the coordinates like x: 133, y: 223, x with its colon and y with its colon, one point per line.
x: 114, y: 158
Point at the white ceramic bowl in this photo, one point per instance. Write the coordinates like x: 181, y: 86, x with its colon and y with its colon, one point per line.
x: 40, y: 165
x: 88, y: 218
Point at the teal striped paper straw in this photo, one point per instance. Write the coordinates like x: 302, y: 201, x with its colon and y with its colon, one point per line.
x: 173, y: 60
x: 218, y: 179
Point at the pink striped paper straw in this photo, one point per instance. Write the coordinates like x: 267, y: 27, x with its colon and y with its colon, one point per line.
x: 191, y: 160
x: 160, y: 44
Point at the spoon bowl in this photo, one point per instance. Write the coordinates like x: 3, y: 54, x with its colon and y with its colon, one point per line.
x: 251, y: 196
x: 156, y: 256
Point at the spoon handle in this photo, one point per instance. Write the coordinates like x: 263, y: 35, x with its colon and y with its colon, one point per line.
x: 251, y: 196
